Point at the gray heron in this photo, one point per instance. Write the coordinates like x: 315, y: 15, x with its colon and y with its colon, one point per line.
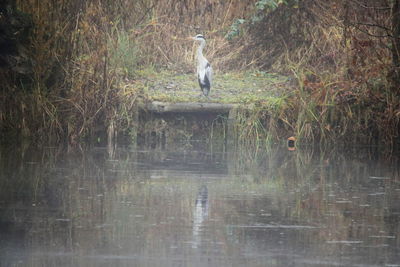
x: 204, y: 70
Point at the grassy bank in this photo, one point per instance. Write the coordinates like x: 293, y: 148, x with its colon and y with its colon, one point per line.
x: 231, y: 87
x: 273, y: 107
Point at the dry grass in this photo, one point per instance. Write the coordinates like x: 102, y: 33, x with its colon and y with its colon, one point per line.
x: 83, y: 51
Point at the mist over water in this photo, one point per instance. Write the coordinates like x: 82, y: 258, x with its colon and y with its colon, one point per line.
x: 175, y: 207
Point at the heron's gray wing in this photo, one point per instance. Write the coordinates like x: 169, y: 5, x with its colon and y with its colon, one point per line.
x: 209, y: 73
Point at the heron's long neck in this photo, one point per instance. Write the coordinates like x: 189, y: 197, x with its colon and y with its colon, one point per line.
x: 200, y: 51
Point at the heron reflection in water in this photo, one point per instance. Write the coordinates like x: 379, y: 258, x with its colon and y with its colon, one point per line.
x: 200, y: 214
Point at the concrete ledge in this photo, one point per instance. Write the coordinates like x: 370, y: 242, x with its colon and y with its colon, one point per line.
x: 165, y: 107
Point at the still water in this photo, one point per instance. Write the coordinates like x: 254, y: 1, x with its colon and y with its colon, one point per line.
x: 249, y: 207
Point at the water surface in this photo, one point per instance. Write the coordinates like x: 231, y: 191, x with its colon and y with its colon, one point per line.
x: 244, y: 207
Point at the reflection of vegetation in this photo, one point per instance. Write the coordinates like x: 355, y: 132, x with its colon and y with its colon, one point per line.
x: 132, y: 201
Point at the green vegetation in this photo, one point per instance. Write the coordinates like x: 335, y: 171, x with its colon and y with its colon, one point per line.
x: 322, y: 71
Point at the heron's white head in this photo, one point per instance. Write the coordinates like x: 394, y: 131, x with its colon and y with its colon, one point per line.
x: 199, y: 37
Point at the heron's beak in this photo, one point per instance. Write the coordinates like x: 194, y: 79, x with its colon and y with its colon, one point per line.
x: 190, y: 38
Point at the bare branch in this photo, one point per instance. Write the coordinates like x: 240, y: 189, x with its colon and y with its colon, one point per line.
x: 371, y: 34
x: 373, y: 25
x: 371, y: 7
